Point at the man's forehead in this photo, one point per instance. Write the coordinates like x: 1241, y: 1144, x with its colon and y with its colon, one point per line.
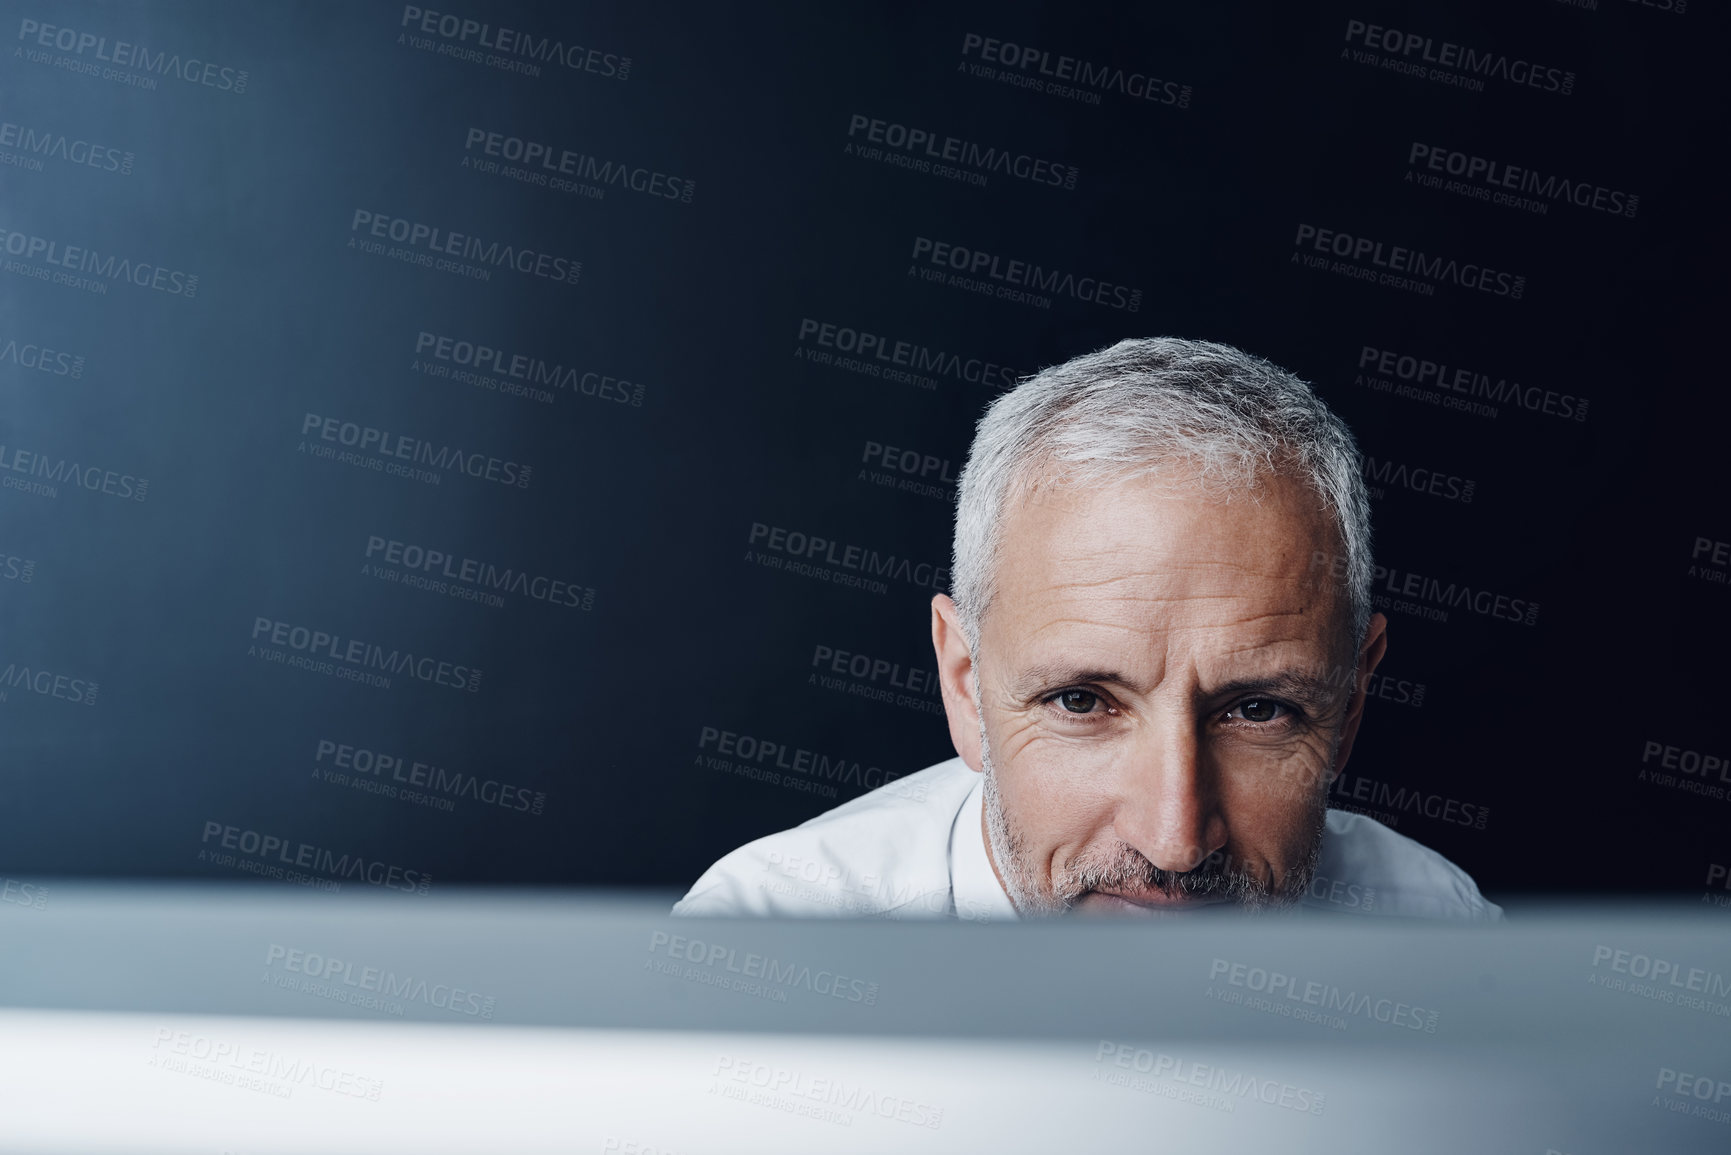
x: 1148, y: 537
x: 1225, y: 648
x: 1275, y: 521
x: 1138, y: 566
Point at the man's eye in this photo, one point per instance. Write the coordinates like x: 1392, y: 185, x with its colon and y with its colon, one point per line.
x: 1259, y: 710
x: 1078, y: 701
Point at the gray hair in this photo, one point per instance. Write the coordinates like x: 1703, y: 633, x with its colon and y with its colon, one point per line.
x: 1120, y: 412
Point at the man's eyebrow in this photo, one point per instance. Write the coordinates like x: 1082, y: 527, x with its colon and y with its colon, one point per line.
x: 1305, y: 687
x: 1055, y: 675
x: 1317, y: 692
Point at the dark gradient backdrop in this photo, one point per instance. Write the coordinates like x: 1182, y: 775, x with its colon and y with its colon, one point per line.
x: 568, y: 400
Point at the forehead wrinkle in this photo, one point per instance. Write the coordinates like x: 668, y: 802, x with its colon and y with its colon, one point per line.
x: 1155, y: 584
x: 1116, y: 552
x: 1258, y: 648
x: 1164, y: 587
x: 1153, y: 607
x: 1134, y: 630
x: 1072, y: 581
x: 1053, y: 600
x: 1271, y: 615
x: 1239, y: 620
x: 1147, y: 642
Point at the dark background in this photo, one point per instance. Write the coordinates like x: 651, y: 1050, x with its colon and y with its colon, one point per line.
x: 647, y: 493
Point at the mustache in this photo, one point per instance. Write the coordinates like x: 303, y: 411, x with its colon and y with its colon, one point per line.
x: 1214, y: 877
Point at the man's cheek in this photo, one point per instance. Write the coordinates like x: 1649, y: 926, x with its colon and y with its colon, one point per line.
x: 1060, y: 767
x: 1292, y: 775
x: 1061, y: 793
x: 1013, y: 733
x: 1280, y: 830
x: 1274, y: 800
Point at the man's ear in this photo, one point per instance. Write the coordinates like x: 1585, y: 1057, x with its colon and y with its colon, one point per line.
x: 1369, y: 654
x: 955, y: 680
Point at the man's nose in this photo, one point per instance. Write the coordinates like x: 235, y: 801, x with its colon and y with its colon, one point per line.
x: 1168, y: 805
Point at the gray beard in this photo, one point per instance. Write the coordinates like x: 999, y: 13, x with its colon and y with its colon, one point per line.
x: 1127, y: 867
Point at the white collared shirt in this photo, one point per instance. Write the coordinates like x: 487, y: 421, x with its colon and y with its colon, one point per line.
x: 915, y: 848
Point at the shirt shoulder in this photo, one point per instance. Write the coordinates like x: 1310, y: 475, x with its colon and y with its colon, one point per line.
x: 883, y: 854
x: 1367, y: 868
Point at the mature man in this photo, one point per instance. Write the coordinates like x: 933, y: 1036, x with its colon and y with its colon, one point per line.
x: 1154, y: 664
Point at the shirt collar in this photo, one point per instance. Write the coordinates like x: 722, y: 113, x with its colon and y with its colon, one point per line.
x: 974, y: 887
